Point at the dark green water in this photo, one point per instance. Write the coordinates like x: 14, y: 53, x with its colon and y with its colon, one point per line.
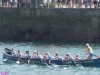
x: 62, y: 48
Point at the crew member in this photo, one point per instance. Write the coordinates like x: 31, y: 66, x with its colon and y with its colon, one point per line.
x: 77, y: 57
x: 89, y: 52
x: 18, y: 53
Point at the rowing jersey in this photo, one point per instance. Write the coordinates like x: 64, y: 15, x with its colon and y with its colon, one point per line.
x: 89, y: 50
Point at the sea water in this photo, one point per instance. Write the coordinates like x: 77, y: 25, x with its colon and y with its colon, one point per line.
x: 52, y: 47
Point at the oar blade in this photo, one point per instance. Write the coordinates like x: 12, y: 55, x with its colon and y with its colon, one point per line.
x: 4, y: 59
x: 28, y: 61
x: 18, y: 62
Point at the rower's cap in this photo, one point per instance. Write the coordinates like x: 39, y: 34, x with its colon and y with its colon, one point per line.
x: 78, y: 54
x: 35, y: 51
x: 69, y: 54
x: 56, y: 52
x: 87, y: 44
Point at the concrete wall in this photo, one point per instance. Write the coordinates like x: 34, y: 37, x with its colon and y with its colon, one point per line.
x: 70, y: 25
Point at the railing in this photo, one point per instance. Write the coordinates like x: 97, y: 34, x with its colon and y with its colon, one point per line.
x: 51, y: 3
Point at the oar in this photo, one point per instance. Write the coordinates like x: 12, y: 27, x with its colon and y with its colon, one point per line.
x: 18, y: 62
x: 29, y: 60
x: 6, y: 59
x: 66, y: 62
x: 74, y: 62
x: 44, y: 62
x: 96, y: 55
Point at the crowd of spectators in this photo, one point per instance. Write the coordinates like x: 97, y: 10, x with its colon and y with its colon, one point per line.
x: 56, y: 3
x: 15, y: 3
x: 79, y: 3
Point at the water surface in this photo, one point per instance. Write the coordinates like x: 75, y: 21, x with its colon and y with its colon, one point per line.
x: 42, y: 47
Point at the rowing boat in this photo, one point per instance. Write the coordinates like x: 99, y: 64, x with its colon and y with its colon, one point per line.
x: 7, y: 57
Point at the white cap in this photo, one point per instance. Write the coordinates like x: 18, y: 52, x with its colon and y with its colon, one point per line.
x: 87, y: 44
x: 35, y: 51
x: 69, y: 54
x: 78, y: 54
x: 57, y: 52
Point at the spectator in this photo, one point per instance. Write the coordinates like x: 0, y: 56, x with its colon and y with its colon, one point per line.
x: 69, y: 3
x: 19, y: 3
x: 95, y: 2
x: 76, y: 2
x: 98, y: 3
x: 73, y: 1
x: 80, y: 3
x: 64, y: 3
x: 5, y: 3
x: 13, y: 2
x: 59, y: 3
x: 85, y: 3
x: 90, y: 2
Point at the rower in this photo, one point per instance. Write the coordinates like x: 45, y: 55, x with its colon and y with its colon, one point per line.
x: 18, y: 54
x: 34, y: 55
x: 38, y: 56
x: 26, y: 55
x: 57, y: 57
x: 45, y: 57
x: 13, y: 52
x: 49, y: 57
x: 89, y: 52
x: 68, y: 56
x: 77, y: 57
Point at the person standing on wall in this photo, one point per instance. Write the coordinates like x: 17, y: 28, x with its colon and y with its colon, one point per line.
x: 85, y: 3
x: 90, y: 2
x: 76, y: 3
x: 59, y: 3
x: 80, y: 3
x: 5, y: 3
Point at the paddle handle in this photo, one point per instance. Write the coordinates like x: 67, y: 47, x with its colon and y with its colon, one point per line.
x: 96, y: 55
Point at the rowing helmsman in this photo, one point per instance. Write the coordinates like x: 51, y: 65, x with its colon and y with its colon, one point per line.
x: 89, y: 52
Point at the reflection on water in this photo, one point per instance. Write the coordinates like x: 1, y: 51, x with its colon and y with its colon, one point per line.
x: 62, y: 48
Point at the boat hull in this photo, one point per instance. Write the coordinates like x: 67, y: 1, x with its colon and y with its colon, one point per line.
x: 85, y: 63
